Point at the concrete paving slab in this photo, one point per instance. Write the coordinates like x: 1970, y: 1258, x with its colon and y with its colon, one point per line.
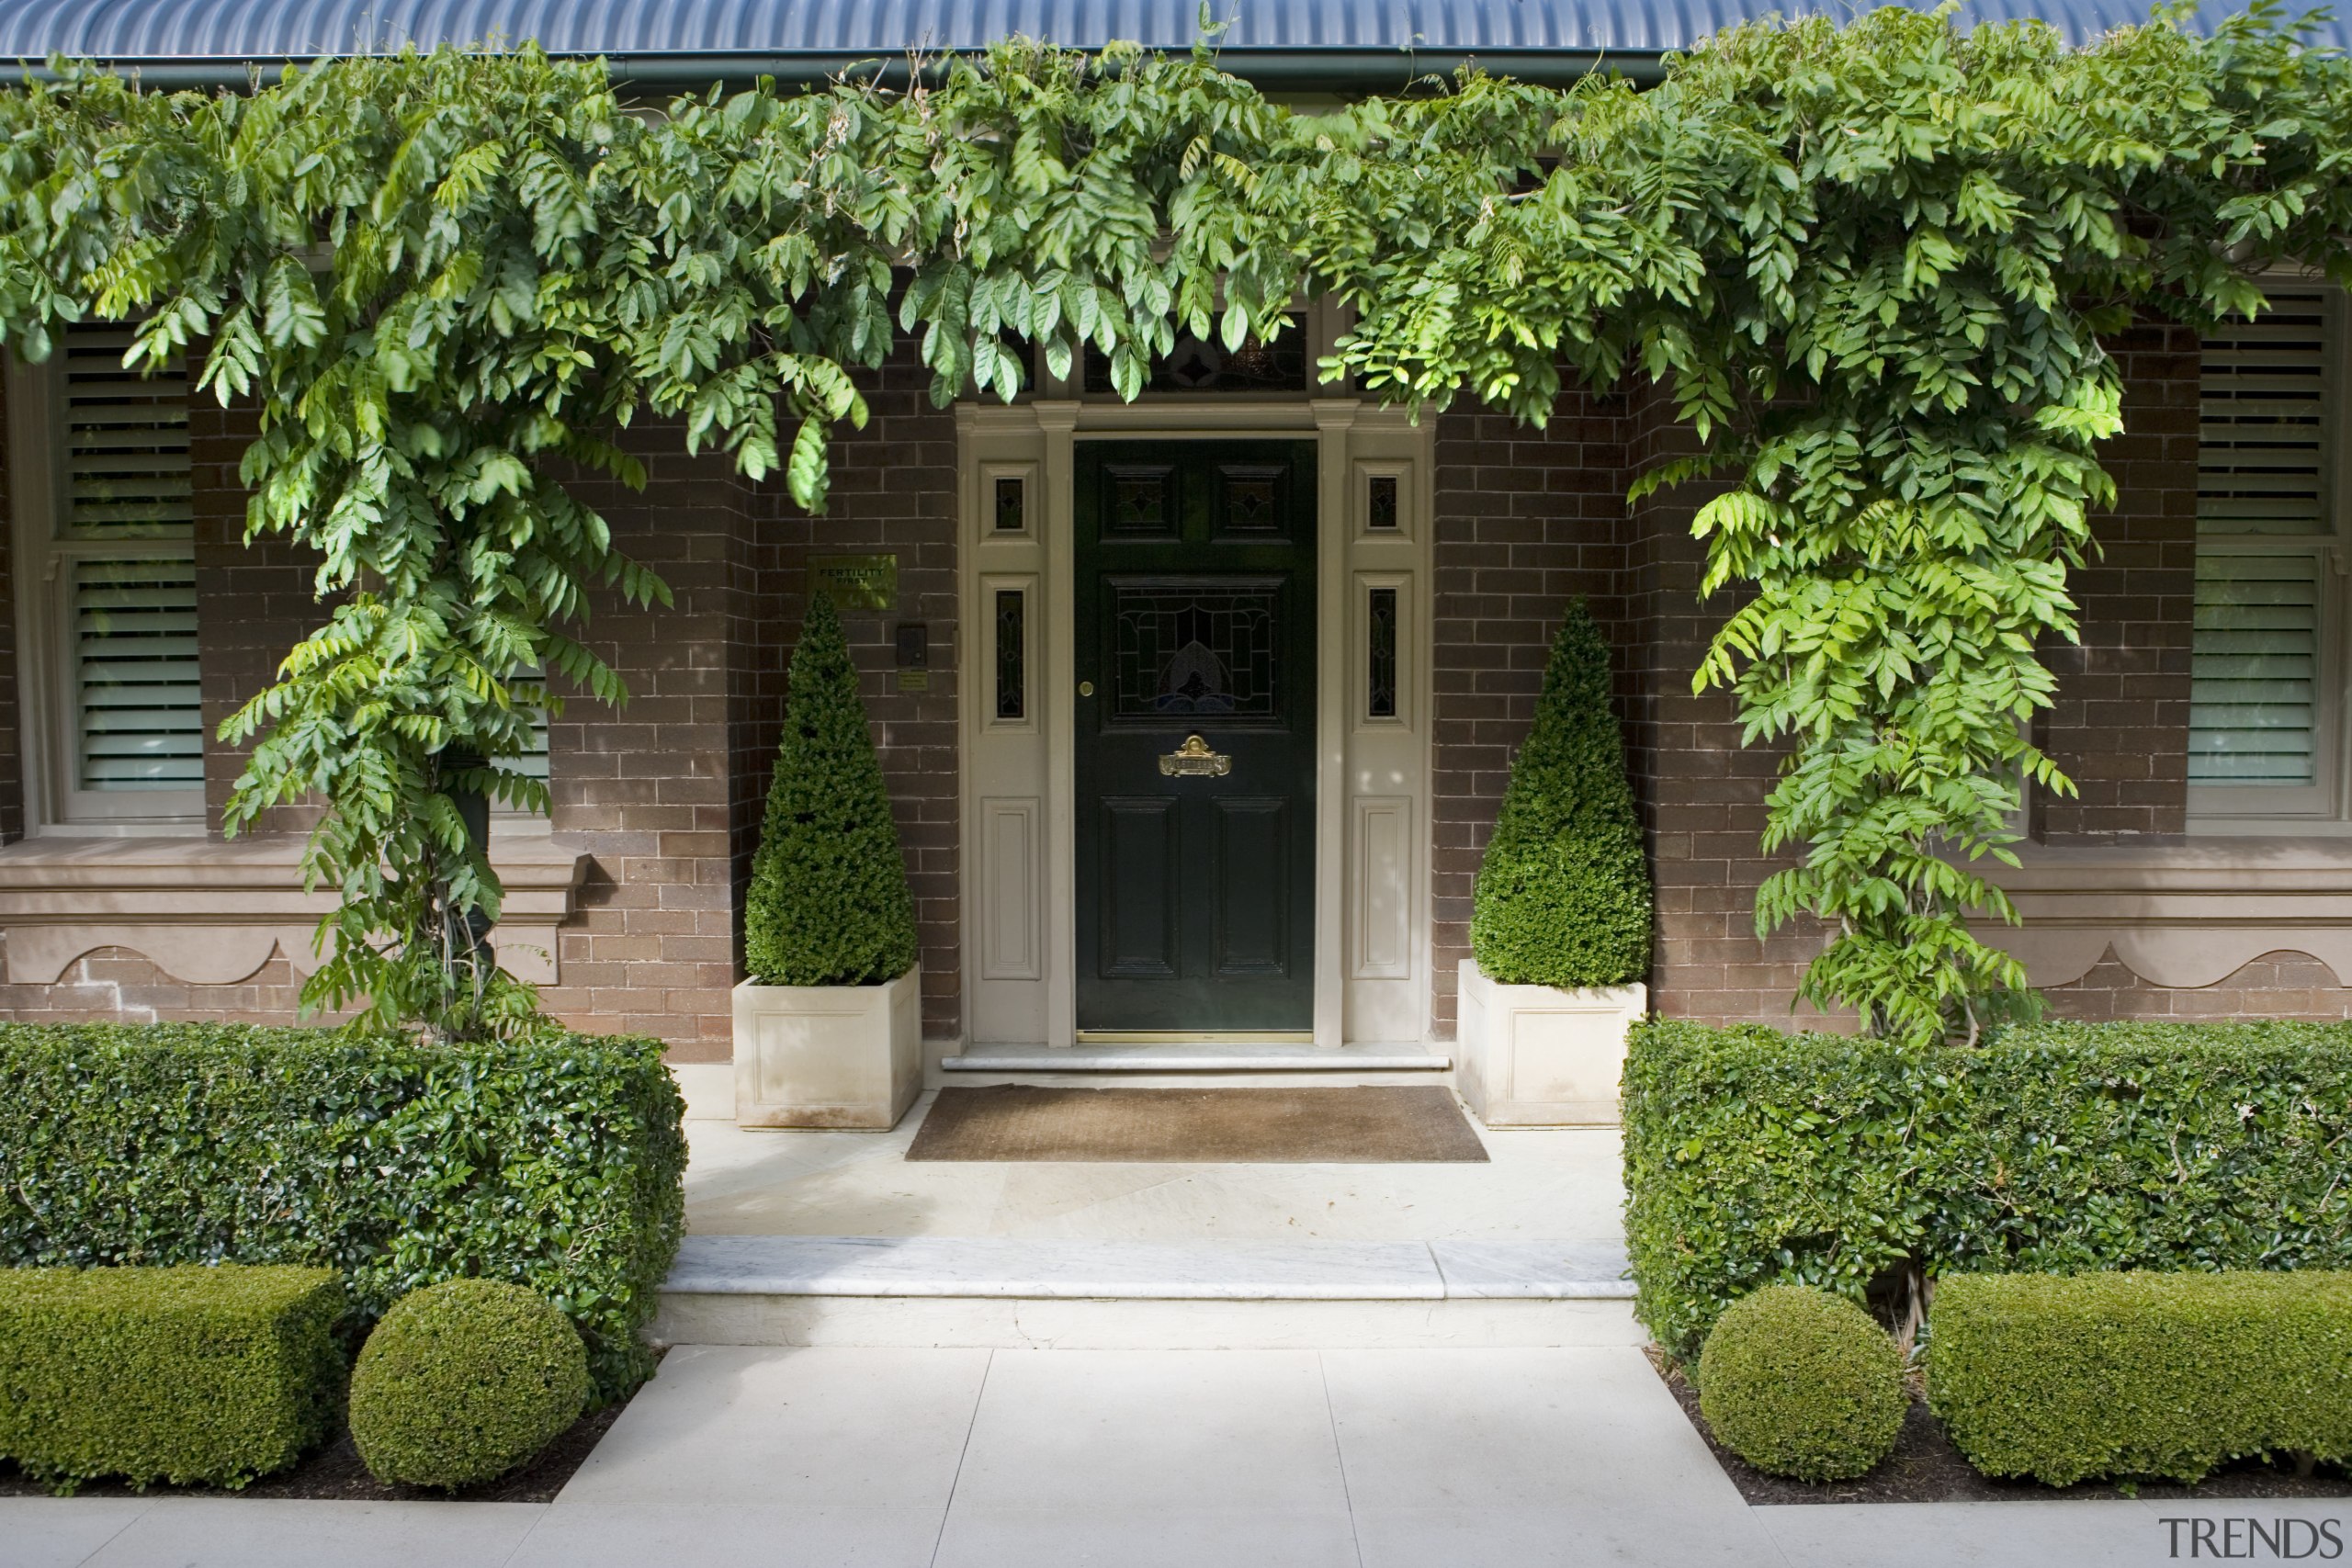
x: 1624, y: 1537
x: 1503, y: 1429
x: 268, y: 1533
x: 2082, y: 1533
x: 1009, y: 1322
x: 1147, y: 1430
x: 897, y: 1458
x: 815, y: 1428
x: 57, y: 1532
x: 595, y: 1535
x: 1282, y: 1538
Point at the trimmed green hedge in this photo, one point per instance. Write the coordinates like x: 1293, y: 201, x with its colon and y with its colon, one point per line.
x: 2141, y: 1373
x: 397, y: 1165
x: 462, y: 1382
x: 1755, y: 1157
x: 1800, y: 1383
x: 1564, y: 888
x: 189, y: 1375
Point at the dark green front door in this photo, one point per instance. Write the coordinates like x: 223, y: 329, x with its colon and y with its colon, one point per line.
x: 1195, y: 607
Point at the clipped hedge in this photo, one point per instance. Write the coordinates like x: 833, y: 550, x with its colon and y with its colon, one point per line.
x: 2141, y: 1373
x: 464, y: 1381
x: 1564, y: 895
x: 1757, y: 1158
x: 1800, y: 1383
x: 187, y: 1375
x: 397, y: 1165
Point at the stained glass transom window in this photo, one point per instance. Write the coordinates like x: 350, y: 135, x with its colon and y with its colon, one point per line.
x: 1196, y: 648
x: 1380, y: 683
x: 1011, y: 513
x: 1011, y: 654
x: 1383, y: 501
x: 1139, y: 500
x: 1205, y: 364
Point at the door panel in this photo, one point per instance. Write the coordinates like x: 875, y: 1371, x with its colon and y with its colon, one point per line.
x: 1140, y: 884
x: 1195, y: 603
x: 1252, y: 895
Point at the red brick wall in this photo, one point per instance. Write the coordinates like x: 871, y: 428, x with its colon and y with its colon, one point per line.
x: 2120, y: 727
x: 12, y: 760
x: 894, y: 493
x: 1701, y: 792
x: 645, y: 791
x: 1526, y: 520
x: 666, y: 796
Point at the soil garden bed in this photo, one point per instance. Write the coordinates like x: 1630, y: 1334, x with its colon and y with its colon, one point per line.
x: 1926, y: 1468
x: 334, y: 1473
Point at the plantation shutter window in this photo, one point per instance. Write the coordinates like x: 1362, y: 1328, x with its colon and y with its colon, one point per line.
x: 531, y: 763
x: 2253, y: 703
x: 106, y: 530
x: 2266, y: 676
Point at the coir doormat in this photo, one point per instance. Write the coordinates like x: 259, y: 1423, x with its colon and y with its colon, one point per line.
x: 1199, y: 1126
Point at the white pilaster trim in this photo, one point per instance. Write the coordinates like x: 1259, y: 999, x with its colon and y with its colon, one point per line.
x: 1334, y: 417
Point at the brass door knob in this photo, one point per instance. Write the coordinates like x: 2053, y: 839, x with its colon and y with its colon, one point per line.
x: 1194, y: 759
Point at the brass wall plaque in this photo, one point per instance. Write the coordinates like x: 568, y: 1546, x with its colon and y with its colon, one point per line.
x: 857, y: 582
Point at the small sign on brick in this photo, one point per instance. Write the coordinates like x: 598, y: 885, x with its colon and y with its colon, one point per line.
x: 857, y: 582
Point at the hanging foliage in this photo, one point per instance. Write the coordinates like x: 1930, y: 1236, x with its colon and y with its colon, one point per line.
x: 1873, y: 265
x: 1869, y: 265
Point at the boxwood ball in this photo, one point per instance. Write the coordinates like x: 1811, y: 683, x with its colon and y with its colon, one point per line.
x: 1803, y: 1383
x: 463, y: 1381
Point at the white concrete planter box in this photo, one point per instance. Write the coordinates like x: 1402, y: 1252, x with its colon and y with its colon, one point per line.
x: 1541, y: 1057
x: 827, y: 1055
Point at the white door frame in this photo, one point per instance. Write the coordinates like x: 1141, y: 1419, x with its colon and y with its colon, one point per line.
x: 1372, y: 802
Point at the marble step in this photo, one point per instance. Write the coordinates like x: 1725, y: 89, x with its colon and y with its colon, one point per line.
x: 1199, y: 1056
x: 1008, y: 1293
x: 1237, y: 1271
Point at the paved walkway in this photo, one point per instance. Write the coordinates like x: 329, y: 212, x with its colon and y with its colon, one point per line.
x: 1137, y: 1458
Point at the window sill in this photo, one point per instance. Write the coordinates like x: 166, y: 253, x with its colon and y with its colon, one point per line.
x: 209, y: 913
x: 2183, y: 914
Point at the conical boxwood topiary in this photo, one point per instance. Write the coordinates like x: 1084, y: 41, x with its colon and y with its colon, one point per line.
x: 829, y: 904
x: 1564, y: 893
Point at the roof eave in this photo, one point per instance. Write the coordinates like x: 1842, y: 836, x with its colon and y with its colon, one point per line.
x: 1337, y: 70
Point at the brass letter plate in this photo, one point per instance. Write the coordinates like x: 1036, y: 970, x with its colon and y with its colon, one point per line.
x: 1194, y: 759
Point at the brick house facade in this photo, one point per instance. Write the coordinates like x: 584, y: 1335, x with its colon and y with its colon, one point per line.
x: 658, y: 804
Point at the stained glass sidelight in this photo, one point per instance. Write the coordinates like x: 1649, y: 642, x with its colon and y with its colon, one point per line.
x: 1010, y: 510
x: 1383, y: 512
x: 1189, y: 648
x: 1380, y: 681
x: 1011, y: 653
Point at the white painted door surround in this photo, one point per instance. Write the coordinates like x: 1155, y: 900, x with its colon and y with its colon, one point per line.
x: 1371, y: 831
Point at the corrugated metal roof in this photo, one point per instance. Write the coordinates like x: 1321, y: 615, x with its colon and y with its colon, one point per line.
x: 766, y: 32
